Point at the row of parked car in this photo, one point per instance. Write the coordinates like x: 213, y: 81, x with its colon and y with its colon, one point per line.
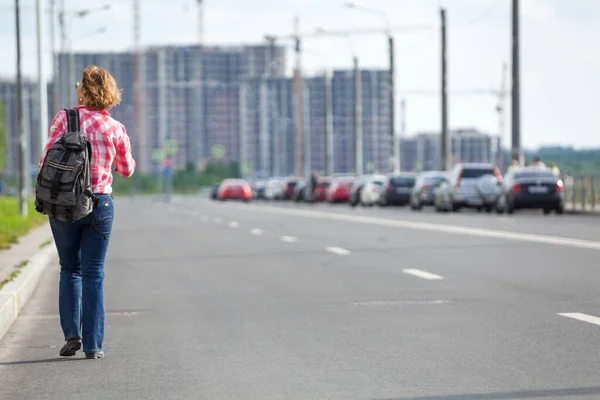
x: 469, y: 185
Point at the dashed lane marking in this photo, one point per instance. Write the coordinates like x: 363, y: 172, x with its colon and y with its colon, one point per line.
x: 582, y: 317
x: 338, y: 250
x: 423, y: 274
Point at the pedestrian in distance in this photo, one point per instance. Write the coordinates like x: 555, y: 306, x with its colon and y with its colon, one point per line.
x: 82, y: 240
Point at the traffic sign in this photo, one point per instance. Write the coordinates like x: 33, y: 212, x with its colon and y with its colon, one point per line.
x: 217, y: 151
x: 171, y: 147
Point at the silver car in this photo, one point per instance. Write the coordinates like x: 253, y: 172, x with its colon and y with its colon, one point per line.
x: 463, y: 187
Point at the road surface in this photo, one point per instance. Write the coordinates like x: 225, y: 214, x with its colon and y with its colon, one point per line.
x: 210, y: 300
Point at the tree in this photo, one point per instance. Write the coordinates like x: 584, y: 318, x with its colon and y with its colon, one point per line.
x: 3, y: 145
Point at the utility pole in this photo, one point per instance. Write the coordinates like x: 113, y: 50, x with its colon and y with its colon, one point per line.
x: 138, y: 109
x: 55, y: 85
x: 22, y: 146
x: 42, y: 86
x: 500, y: 108
x: 394, y: 144
x: 63, y: 48
x: 446, y: 144
x: 516, y: 153
x: 329, y: 160
x: 274, y: 114
x: 201, y: 137
x: 298, y: 89
x: 358, y: 132
x: 402, y: 130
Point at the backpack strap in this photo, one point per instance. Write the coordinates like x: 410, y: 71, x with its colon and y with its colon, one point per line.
x: 72, y: 120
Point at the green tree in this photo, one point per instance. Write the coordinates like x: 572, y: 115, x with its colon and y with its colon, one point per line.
x: 3, y: 145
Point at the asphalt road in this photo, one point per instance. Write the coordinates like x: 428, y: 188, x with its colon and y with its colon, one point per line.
x: 212, y: 300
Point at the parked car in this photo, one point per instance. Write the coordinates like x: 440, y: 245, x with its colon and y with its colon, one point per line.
x: 532, y: 188
x: 214, y: 192
x: 459, y: 189
x: 235, y: 189
x: 371, y: 191
x: 339, y: 190
x: 273, y: 188
x: 322, y: 187
x: 258, y: 189
x: 396, y: 189
x: 300, y: 191
x: 288, y: 187
x: 423, y: 192
x: 357, y: 186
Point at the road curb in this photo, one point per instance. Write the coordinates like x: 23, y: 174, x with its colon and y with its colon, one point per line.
x: 15, y: 295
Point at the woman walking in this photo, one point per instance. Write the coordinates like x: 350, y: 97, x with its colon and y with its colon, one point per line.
x: 82, y: 245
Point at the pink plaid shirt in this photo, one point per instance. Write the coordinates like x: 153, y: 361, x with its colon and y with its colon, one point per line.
x: 109, y: 141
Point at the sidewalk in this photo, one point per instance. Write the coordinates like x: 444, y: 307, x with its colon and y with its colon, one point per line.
x: 579, y: 209
x: 27, y: 246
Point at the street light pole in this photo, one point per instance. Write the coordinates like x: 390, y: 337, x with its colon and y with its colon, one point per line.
x: 445, y: 148
x: 517, y: 153
x: 22, y: 141
x: 42, y: 87
x: 358, y: 133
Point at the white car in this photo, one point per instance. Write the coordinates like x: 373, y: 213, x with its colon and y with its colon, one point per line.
x: 273, y: 188
x: 369, y: 195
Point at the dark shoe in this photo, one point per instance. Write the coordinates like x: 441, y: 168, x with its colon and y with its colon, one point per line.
x: 71, y: 347
x: 91, y: 356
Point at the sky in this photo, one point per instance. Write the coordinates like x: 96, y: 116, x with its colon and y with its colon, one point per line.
x: 559, y: 66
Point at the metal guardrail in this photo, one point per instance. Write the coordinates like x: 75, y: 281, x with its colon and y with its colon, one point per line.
x: 582, y: 192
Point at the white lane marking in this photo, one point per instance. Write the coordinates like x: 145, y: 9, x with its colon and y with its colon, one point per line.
x: 234, y: 224
x: 423, y: 274
x: 582, y: 317
x: 204, y: 218
x: 288, y: 239
x: 338, y: 250
x: 217, y: 220
x: 432, y: 227
x: 256, y: 232
x: 400, y: 302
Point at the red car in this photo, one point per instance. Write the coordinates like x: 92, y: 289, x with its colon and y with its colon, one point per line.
x: 235, y: 189
x: 339, y: 190
x: 322, y: 187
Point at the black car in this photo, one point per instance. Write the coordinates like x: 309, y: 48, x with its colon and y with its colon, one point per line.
x: 396, y: 190
x: 531, y: 188
x: 423, y: 192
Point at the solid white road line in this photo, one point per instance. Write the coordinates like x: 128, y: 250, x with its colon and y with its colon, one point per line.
x: 582, y: 317
x: 423, y: 274
x: 234, y: 224
x: 289, y: 239
x: 256, y: 232
x: 432, y: 227
x: 338, y: 250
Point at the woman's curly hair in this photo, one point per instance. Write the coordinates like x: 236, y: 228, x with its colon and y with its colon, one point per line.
x: 100, y: 89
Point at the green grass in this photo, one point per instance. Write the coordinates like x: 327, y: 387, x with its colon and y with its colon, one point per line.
x: 12, y: 225
x: 46, y: 243
x: 16, y: 272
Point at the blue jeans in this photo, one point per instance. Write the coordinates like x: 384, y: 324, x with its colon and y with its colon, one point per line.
x: 82, y: 252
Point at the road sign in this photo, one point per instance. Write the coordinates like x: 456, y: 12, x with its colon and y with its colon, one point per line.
x: 217, y: 151
x: 158, y: 155
x: 171, y: 147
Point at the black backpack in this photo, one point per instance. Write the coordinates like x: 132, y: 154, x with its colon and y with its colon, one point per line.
x: 64, y: 183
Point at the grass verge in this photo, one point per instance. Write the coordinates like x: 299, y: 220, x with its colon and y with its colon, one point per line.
x: 16, y: 272
x: 12, y: 225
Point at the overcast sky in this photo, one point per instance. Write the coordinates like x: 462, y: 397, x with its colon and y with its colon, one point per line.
x: 560, y: 58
